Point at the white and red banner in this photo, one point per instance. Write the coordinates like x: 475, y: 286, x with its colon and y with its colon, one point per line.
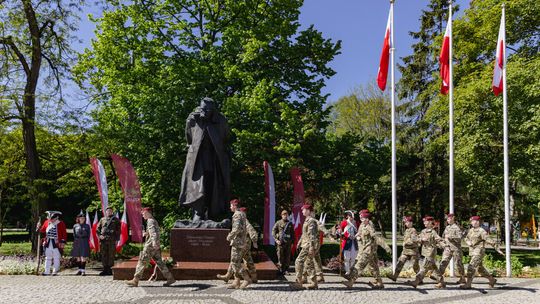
x: 94, y: 240
x: 444, y: 58
x: 101, y: 181
x: 298, y: 201
x: 132, y: 194
x: 500, y: 60
x: 382, y: 74
x: 269, y: 204
x: 124, y: 231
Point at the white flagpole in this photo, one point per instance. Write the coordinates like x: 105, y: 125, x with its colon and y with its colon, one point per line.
x: 451, y: 121
x: 393, y: 93
x: 505, y: 145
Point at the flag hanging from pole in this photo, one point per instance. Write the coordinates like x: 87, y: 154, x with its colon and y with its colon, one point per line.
x: 101, y: 181
x: 382, y: 74
x: 444, y: 58
x: 269, y: 204
x: 93, y: 236
x: 124, y: 232
x: 500, y: 61
x: 298, y: 201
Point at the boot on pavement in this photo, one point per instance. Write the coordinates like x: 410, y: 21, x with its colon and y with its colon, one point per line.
x: 133, y: 283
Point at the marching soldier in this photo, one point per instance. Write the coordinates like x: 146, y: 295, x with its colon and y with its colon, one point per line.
x: 410, y: 249
x: 452, y: 236
x: 309, y: 243
x: 252, y: 237
x: 368, y: 242
x: 108, y: 231
x: 237, y: 239
x: 476, y: 240
x: 150, y: 251
x: 283, y: 234
x: 430, y: 240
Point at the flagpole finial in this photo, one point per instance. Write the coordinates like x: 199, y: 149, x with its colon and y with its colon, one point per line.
x: 392, y: 1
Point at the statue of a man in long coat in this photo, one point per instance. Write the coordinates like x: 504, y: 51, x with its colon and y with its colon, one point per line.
x: 206, y: 177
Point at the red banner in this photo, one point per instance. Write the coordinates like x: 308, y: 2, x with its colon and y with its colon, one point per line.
x: 132, y: 194
x: 298, y: 201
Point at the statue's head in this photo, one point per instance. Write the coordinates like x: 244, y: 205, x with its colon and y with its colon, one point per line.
x: 207, y: 107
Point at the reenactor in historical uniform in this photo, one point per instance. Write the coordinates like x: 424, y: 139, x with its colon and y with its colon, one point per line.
x: 108, y: 231
x: 430, y: 240
x: 252, y: 238
x: 452, y: 236
x: 53, y: 242
x: 368, y: 241
x: 283, y: 234
x: 410, y: 249
x: 237, y: 239
x: 347, y: 232
x: 476, y: 239
x: 151, y: 251
x: 309, y: 243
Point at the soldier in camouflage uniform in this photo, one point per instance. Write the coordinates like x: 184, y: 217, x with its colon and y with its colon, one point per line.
x: 108, y: 231
x: 150, y: 251
x: 283, y: 234
x: 237, y: 238
x: 309, y: 243
x: 410, y: 249
x: 430, y: 240
x: 476, y: 240
x: 252, y: 238
x: 368, y: 241
x: 452, y: 236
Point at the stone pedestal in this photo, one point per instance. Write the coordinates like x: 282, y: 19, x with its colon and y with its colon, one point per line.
x: 200, y: 245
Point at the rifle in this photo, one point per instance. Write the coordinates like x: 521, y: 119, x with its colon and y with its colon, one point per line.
x: 38, y: 246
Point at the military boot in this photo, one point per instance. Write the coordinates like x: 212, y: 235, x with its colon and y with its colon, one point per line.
x: 440, y: 285
x: 467, y: 284
x: 133, y: 283
x: 235, y: 284
x: 392, y: 277
x: 225, y: 277
x: 320, y: 278
x: 462, y: 280
x: 169, y: 282
x: 313, y: 284
x: 492, y: 281
x: 348, y: 283
x: 297, y: 284
x: 377, y: 284
x: 247, y: 280
x: 414, y: 283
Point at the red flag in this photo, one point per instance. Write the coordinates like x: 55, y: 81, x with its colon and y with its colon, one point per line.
x: 444, y: 58
x: 124, y: 233
x: 497, y: 83
x: 101, y: 181
x: 93, y: 236
x: 132, y: 194
x: 269, y: 204
x: 298, y: 201
x: 382, y: 74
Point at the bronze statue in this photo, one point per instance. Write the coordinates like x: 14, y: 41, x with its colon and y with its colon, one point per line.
x: 206, y: 177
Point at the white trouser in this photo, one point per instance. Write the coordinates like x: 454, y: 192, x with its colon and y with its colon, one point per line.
x: 52, y: 254
x: 349, y: 256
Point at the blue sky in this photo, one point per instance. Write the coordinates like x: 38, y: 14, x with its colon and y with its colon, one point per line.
x: 359, y: 24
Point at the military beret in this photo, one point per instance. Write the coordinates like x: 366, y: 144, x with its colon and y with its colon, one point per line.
x: 449, y: 215
x: 475, y: 218
x: 308, y: 207
x: 146, y: 209
x: 407, y: 218
x: 364, y: 214
x: 243, y: 209
x: 428, y: 218
x: 235, y: 202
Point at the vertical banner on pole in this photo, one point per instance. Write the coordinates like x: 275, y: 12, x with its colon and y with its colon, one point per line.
x: 298, y: 201
x: 101, y: 181
x: 132, y: 194
x: 269, y: 204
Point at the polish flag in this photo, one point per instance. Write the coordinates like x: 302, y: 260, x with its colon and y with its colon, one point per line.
x: 497, y: 83
x: 444, y: 58
x: 124, y: 233
x: 93, y: 236
x: 382, y: 74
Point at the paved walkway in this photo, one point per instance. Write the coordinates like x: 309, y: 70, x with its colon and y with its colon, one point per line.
x: 67, y: 288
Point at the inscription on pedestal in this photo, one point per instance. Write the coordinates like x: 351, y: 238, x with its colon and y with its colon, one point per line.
x: 200, y: 245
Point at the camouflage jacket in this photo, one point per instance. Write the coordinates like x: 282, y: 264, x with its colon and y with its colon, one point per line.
x: 410, y: 242
x: 109, y: 228
x: 477, y: 239
x: 283, y: 231
x: 251, y: 234
x: 237, y: 236
x: 152, y: 228
x: 430, y: 241
x: 452, y: 235
x: 310, y: 234
x: 366, y: 237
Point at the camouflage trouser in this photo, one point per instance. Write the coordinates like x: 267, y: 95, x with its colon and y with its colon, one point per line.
x: 284, y: 256
x: 475, y: 265
x: 248, y: 259
x: 154, y: 254
x: 429, y: 264
x: 447, y: 256
x: 362, y: 261
x: 305, y: 263
x: 318, y: 262
x: 403, y: 258
x: 107, y: 250
x: 237, y: 254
